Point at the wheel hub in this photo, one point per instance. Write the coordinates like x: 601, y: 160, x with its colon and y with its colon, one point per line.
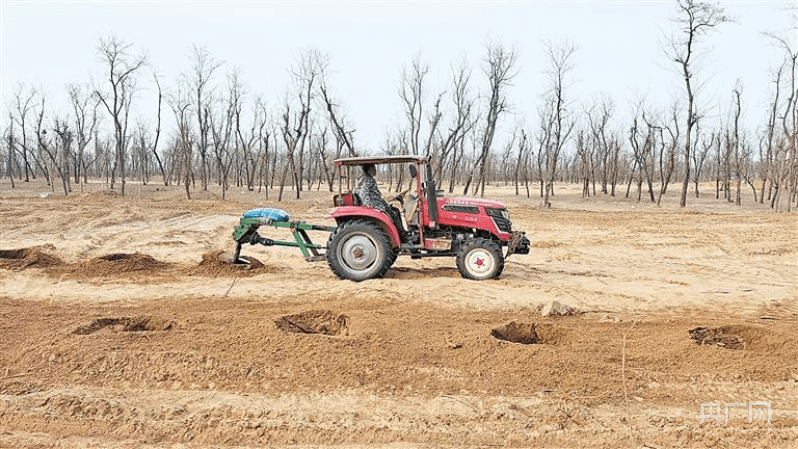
x: 359, y: 252
x: 479, y: 261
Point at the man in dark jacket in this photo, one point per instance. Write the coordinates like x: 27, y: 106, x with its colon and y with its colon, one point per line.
x: 368, y: 191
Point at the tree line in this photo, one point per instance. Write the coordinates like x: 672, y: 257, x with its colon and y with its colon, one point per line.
x: 223, y: 135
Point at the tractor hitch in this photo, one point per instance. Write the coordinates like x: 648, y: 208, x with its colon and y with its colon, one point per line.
x: 519, y: 244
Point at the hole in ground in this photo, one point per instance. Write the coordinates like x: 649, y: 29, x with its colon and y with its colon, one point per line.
x: 725, y: 336
x: 20, y: 259
x: 132, y: 262
x: 523, y: 333
x: 314, y: 322
x: 118, y: 256
x: 13, y: 254
x: 125, y: 324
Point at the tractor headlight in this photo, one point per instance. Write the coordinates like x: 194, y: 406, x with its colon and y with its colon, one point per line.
x: 498, y: 213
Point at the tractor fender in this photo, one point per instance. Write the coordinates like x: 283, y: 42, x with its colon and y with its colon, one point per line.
x: 346, y: 213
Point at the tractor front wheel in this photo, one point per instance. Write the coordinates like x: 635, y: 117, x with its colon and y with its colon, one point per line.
x: 359, y: 250
x: 480, y: 259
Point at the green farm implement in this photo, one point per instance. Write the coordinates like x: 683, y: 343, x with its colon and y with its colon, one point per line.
x: 247, y: 232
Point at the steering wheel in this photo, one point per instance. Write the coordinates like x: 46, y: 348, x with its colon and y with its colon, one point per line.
x: 401, y: 197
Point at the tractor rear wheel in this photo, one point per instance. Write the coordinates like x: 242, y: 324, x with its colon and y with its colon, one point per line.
x: 359, y: 250
x: 480, y: 259
x: 394, y: 255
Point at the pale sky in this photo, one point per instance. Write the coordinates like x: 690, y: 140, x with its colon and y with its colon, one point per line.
x: 49, y: 44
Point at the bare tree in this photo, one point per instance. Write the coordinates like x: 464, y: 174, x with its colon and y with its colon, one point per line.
x: 556, y: 124
x: 54, y: 149
x: 266, y: 135
x: 140, y: 161
x: 224, y: 127
x: 256, y: 135
x: 158, y: 132
x: 664, y: 150
x: 695, y: 19
x: 411, y: 92
x: 768, y: 140
x: 342, y: 131
x: 85, y: 111
x: 8, y: 139
x: 584, y: 159
x: 23, y: 101
x: 434, y: 120
x: 203, y: 66
x: 786, y: 184
x: 700, y: 157
x: 296, y: 124
x: 598, y: 117
x: 43, y: 146
x: 735, y: 141
x: 343, y: 135
x: 62, y: 153
x: 461, y: 123
x: 184, y: 141
x: 499, y: 67
x: 122, y: 67
x: 522, y: 163
x: 642, y: 145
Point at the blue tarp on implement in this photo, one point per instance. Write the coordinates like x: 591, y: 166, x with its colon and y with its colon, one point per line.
x: 267, y: 212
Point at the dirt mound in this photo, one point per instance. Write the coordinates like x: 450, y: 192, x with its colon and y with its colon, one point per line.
x: 125, y: 324
x: 112, y: 264
x: 138, y: 265
x: 314, y: 322
x: 725, y: 337
x: 220, y: 264
x: 523, y: 333
x: 556, y: 308
x: 115, y: 265
x: 20, y: 259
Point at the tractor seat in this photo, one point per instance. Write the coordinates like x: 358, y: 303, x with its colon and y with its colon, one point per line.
x: 268, y: 212
x: 347, y: 199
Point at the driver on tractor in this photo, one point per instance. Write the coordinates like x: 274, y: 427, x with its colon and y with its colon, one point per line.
x: 370, y: 196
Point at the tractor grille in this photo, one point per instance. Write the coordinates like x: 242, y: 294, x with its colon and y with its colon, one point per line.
x: 503, y: 225
x: 502, y: 219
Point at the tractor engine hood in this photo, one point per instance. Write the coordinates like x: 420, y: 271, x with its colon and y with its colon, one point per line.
x: 487, y: 215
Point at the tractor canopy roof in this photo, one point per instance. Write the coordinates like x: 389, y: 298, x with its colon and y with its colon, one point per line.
x: 360, y: 160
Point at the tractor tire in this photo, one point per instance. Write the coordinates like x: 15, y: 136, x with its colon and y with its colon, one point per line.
x: 394, y: 255
x: 480, y: 259
x: 359, y: 250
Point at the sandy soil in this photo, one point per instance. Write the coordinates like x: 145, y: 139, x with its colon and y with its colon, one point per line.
x: 122, y: 327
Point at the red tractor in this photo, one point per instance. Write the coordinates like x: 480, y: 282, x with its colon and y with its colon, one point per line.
x: 366, y: 242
